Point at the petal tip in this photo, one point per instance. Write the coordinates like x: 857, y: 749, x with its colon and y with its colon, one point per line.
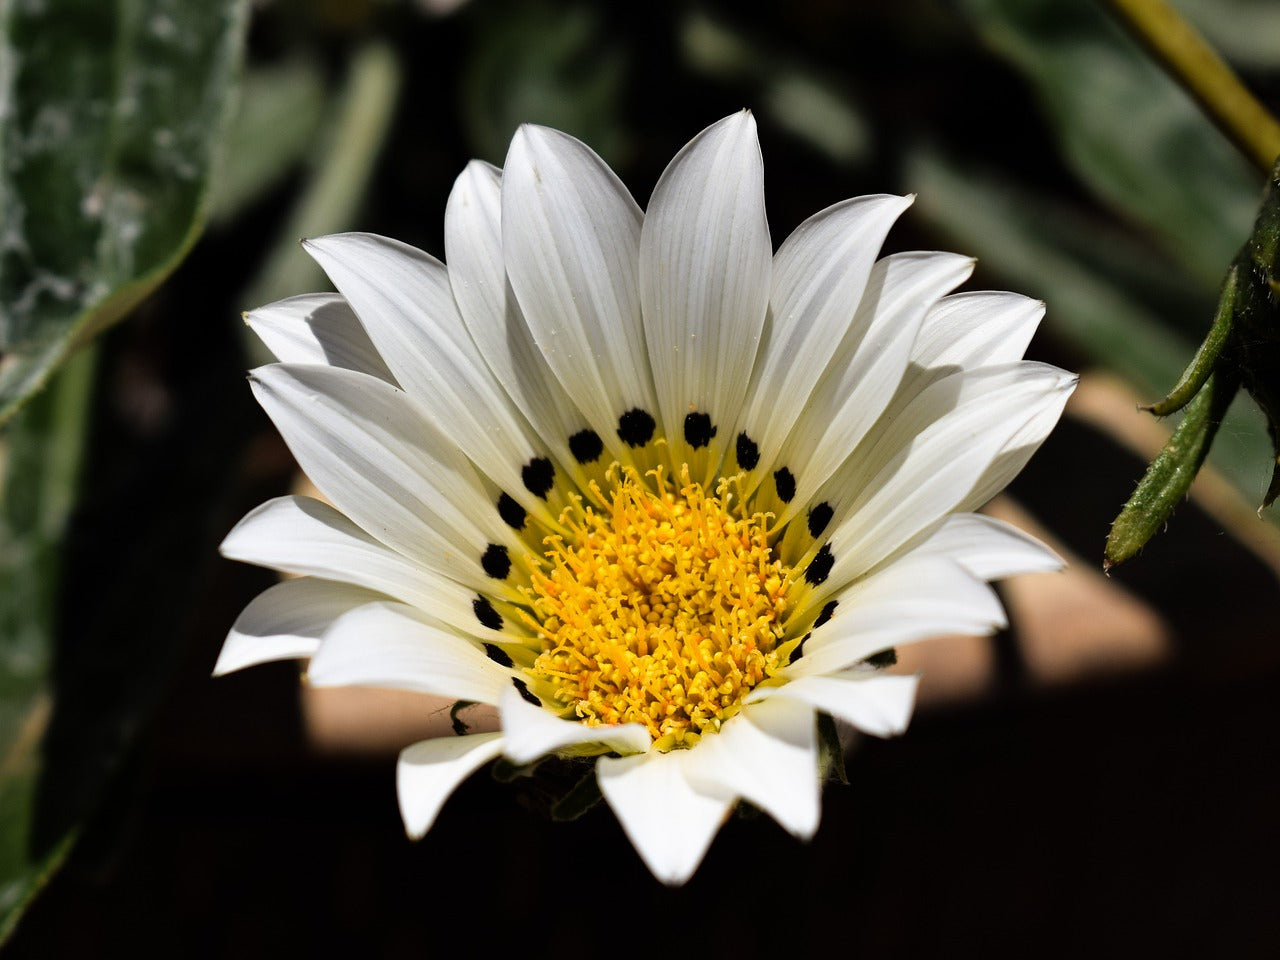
x: 224, y: 664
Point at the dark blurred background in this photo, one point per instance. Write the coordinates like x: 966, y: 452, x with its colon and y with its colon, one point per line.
x: 1100, y: 779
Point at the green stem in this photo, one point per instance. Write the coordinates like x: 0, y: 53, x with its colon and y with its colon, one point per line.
x: 1195, y: 65
x: 1168, y: 478
x: 1206, y: 359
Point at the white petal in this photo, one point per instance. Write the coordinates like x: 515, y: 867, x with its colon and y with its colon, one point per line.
x: 404, y: 299
x: 988, y: 548
x: 473, y: 252
x: 477, y: 274
x: 705, y: 277
x: 308, y: 537
x: 393, y: 645
x: 767, y: 754
x: 375, y: 455
x: 1017, y: 451
x: 819, y: 275
x: 286, y: 622
x: 928, y: 459
x: 431, y: 770
x: 317, y: 328
x: 875, y: 703
x: 570, y: 240
x: 866, y: 370
x: 670, y: 823
x: 978, y: 328
x: 533, y: 732
x: 914, y: 598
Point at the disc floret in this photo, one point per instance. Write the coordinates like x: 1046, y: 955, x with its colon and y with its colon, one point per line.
x: 664, y: 605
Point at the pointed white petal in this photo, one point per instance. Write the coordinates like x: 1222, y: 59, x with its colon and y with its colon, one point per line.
x: 875, y: 703
x: 927, y: 459
x: 978, y: 328
x: 1017, y: 451
x: 317, y: 328
x: 570, y: 240
x: 473, y: 252
x: 819, y: 275
x: 533, y: 732
x: 431, y: 770
x: 393, y: 645
x: 477, y: 274
x: 670, y: 823
x: 286, y: 622
x: 767, y: 754
x: 988, y: 548
x: 404, y: 299
x: 308, y: 537
x: 705, y: 277
x: 867, y: 368
x: 375, y: 455
x: 913, y: 598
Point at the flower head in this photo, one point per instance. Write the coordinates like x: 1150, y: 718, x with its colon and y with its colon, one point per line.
x: 657, y: 493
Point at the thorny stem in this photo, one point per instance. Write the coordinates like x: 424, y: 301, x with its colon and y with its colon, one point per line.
x: 1195, y: 65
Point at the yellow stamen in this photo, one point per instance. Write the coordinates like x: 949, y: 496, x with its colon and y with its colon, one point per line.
x: 664, y: 607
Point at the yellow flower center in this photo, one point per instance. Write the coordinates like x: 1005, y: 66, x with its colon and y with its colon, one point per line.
x: 665, y: 606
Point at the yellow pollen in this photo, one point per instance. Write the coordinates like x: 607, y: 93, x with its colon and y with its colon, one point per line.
x: 663, y: 607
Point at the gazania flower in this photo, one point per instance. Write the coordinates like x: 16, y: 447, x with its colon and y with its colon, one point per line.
x: 658, y: 494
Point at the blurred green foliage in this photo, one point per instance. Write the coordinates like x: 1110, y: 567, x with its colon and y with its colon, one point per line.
x: 43, y: 457
x: 1127, y: 130
x: 112, y: 119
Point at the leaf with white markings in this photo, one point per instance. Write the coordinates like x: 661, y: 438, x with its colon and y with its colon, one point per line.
x: 110, y: 116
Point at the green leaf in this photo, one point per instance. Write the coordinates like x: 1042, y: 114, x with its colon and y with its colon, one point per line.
x: 112, y: 120
x: 1129, y: 132
x: 504, y: 771
x: 580, y: 800
x: 43, y: 450
x: 1202, y: 364
x: 1256, y: 319
x: 1169, y: 476
x: 830, y: 750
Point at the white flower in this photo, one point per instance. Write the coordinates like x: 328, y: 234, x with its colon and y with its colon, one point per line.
x: 652, y: 490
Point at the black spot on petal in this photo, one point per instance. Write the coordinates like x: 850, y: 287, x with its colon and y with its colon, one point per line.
x: 798, y: 652
x: 748, y: 452
x: 495, y: 561
x: 883, y: 659
x: 698, y: 429
x: 586, y: 446
x: 635, y: 427
x: 538, y: 475
x: 485, y: 613
x: 819, y: 517
x: 785, y: 483
x: 497, y: 654
x: 825, y: 615
x: 524, y: 692
x: 820, y: 566
x: 512, y: 513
